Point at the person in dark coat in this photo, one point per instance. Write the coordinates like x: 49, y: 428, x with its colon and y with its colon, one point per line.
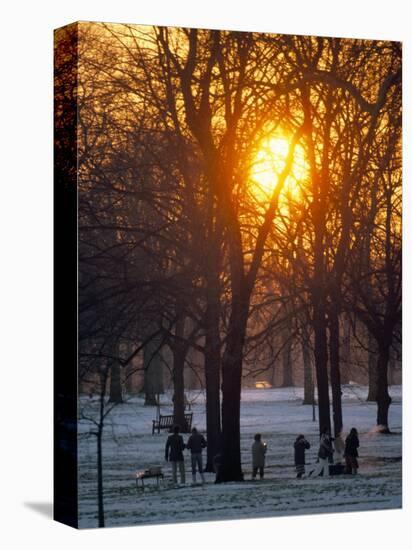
x: 351, y: 452
x: 300, y: 446
x: 196, y: 443
x: 174, y: 452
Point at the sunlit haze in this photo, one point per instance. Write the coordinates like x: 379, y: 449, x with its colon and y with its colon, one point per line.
x: 270, y: 161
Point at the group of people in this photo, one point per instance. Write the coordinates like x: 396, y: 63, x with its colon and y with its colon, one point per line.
x: 331, y: 451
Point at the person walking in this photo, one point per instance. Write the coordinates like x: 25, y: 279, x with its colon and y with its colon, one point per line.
x: 351, y: 452
x: 300, y: 446
x: 258, y: 456
x: 196, y: 443
x: 324, y: 454
x: 174, y: 452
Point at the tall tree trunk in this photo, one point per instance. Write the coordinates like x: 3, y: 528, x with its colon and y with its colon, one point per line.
x: 179, y: 389
x: 321, y: 363
x: 153, y: 371
x: 212, y: 373
x: 179, y: 350
x: 115, y: 394
x: 273, y: 373
x: 383, y: 398
x: 391, y: 371
x: 335, y: 367
x: 129, y: 379
x: 231, y: 468
x: 320, y: 349
x: 318, y: 291
x: 308, y: 382
x: 287, y: 358
x: 130, y: 372
x: 345, y: 355
x: 100, y: 505
x: 372, y: 368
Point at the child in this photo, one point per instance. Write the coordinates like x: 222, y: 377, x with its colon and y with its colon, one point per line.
x: 300, y: 445
x: 258, y: 456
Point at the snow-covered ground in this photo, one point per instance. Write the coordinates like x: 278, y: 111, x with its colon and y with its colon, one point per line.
x: 279, y: 415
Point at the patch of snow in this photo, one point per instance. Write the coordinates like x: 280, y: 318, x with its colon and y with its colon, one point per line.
x: 129, y: 446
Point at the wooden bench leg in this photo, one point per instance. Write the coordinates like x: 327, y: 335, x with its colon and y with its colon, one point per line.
x: 137, y: 484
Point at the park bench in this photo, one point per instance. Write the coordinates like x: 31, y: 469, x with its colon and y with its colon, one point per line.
x: 166, y: 422
x: 154, y: 472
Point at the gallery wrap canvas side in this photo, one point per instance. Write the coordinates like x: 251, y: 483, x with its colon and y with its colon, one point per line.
x: 65, y: 275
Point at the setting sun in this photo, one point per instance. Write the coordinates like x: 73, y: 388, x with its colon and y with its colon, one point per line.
x: 270, y: 161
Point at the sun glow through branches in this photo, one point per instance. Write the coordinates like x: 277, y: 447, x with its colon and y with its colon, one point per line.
x: 269, y: 162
